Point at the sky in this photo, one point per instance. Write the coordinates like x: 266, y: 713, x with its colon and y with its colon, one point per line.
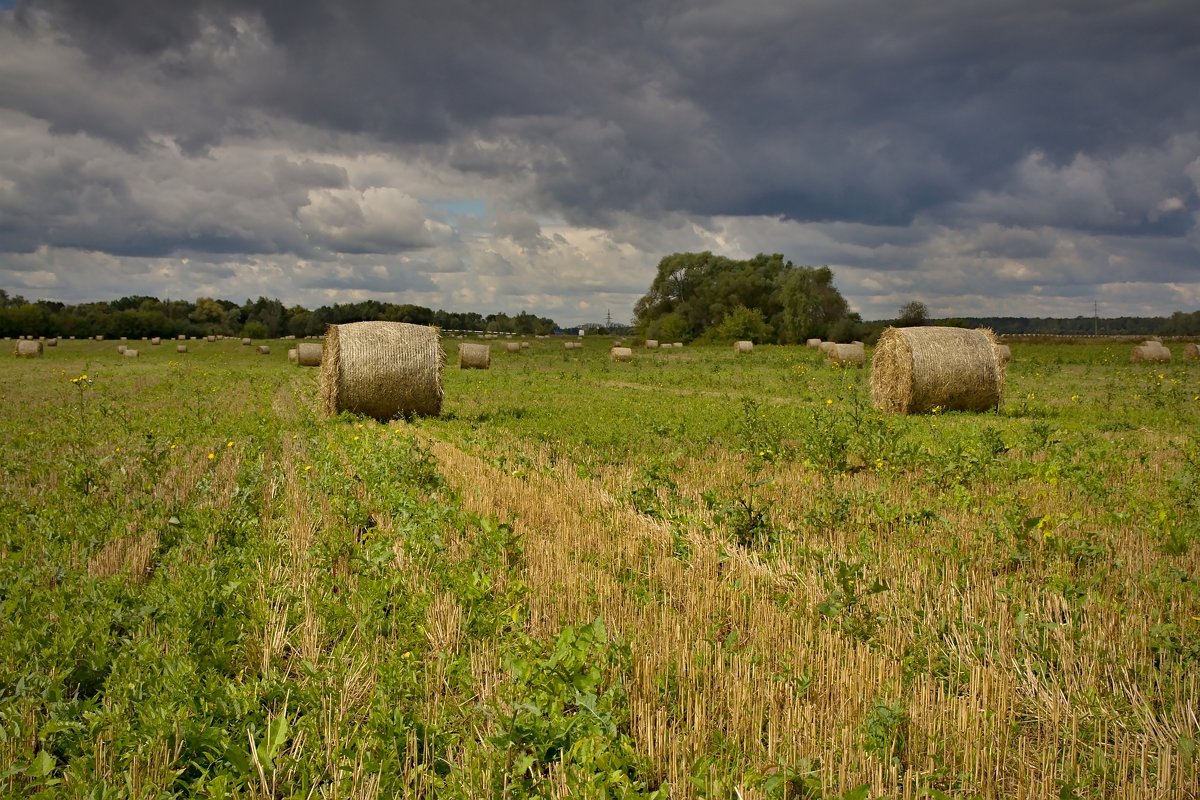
x: 988, y: 158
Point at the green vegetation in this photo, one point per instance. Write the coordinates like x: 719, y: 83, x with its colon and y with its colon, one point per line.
x: 694, y: 575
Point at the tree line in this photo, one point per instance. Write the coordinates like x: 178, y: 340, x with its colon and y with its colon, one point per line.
x: 137, y: 316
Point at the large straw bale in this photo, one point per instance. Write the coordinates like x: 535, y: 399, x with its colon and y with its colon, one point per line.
x: 28, y: 349
x: 474, y: 356
x: 246, y: 342
x: 382, y: 369
x: 918, y: 369
x: 1150, y: 351
x: 264, y: 349
x: 293, y: 357
x: 130, y: 353
x: 308, y: 354
x: 621, y: 353
x: 847, y: 355
x: 512, y: 347
x: 181, y: 348
x: 814, y: 343
x: 1191, y: 352
x: 652, y: 344
x: 743, y: 346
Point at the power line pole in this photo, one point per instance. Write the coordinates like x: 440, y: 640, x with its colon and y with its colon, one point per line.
x: 1096, y: 315
x: 608, y: 319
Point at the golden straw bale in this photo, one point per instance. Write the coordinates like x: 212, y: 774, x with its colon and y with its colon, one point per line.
x: 743, y: 346
x: 130, y: 353
x: 210, y: 338
x: 28, y: 349
x: 813, y: 343
x: 1150, y: 351
x: 524, y: 345
x: 293, y: 357
x: 121, y: 349
x: 246, y: 342
x: 264, y: 350
x: 52, y: 342
x: 156, y: 341
x: 308, y: 354
x: 1191, y: 352
x: 919, y: 369
x: 512, y: 347
x: 474, y: 356
x: 1004, y: 353
x: 382, y: 370
x: 621, y: 353
x: 98, y: 337
x: 826, y: 347
x: 847, y: 355
x: 651, y: 344
x: 181, y: 348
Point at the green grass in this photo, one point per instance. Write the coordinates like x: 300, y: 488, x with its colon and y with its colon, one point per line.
x: 696, y: 573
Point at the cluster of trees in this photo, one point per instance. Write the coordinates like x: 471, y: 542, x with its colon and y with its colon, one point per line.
x: 764, y: 299
x: 138, y: 316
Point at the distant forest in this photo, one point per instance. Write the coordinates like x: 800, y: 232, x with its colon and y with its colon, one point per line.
x: 138, y: 316
x: 1178, y: 324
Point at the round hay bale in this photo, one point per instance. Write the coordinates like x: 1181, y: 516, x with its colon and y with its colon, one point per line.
x: 181, y: 337
x: 847, y: 355
x: 246, y: 343
x: 52, y: 342
x: 130, y: 353
x: 474, y: 356
x: 98, y: 338
x: 677, y: 344
x: 181, y: 348
x: 621, y: 353
x: 156, y: 341
x: 1004, y: 353
x: 813, y: 343
x: 652, y: 344
x: 917, y: 369
x: 264, y: 350
x: 524, y: 345
x: 121, y: 349
x: 28, y: 349
x: 512, y: 347
x: 382, y: 370
x: 210, y: 338
x: 1191, y: 352
x: 309, y: 354
x: 293, y: 357
x: 1153, y: 352
x: 826, y: 347
x: 743, y: 346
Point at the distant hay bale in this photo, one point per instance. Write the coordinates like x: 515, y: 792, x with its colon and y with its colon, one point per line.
x: 181, y: 337
x: 156, y: 341
x: 621, y: 353
x: 524, y: 345
x: 130, y: 353
x: 264, y: 350
x: 1004, y: 353
x: 813, y: 343
x: 28, y: 349
x: 847, y: 355
x: 677, y: 344
x: 382, y: 370
x: 121, y: 349
x: 210, y: 338
x: 918, y: 369
x: 826, y: 347
x: 743, y: 346
x: 293, y: 357
x: 309, y: 354
x: 52, y: 342
x: 98, y: 338
x: 246, y: 342
x: 1151, y: 351
x: 651, y: 344
x: 512, y: 347
x: 181, y: 348
x: 474, y: 356
x: 1191, y: 352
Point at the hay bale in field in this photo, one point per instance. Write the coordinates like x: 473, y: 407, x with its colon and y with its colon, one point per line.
x: 28, y: 349
x: 918, y: 369
x: 309, y: 354
x: 826, y: 347
x: 512, y: 347
x: 524, y: 345
x: 121, y: 349
x: 293, y: 357
x: 156, y: 341
x: 181, y: 337
x: 99, y: 338
x: 743, y: 346
x: 1151, y: 351
x: 814, y: 343
x: 1191, y: 352
x: 652, y: 344
x: 210, y: 338
x: 246, y: 342
x: 621, y: 353
x: 181, y: 348
x: 677, y: 344
x: 1004, y: 353
x: 52, y: 342
x: 474, y: 356
x: 847, y: 355
x: 382, y: 370
x: 130, y: 353
x: 264, y: 350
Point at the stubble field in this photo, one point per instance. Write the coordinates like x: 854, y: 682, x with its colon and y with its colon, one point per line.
x: 698, y: 574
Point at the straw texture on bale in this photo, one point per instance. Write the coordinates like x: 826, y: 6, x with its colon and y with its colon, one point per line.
x: 264, y: 349
x: 246, y: 342
x: 847, y: 355
x: 382, y: 370
x: 621, y: 353
x: 293, y: 357
x: 474, y: 356
x: 743, y: 346
x: 917, y: 369
x: 813, y: 343
x: 512, y: 347
x: 652, y: 343
x: 181, y: 348
x: 1151, y: 351
x: 309, y: 354
x: 130, y: 353
x: 1191, y: 352
x: 28, y: 349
